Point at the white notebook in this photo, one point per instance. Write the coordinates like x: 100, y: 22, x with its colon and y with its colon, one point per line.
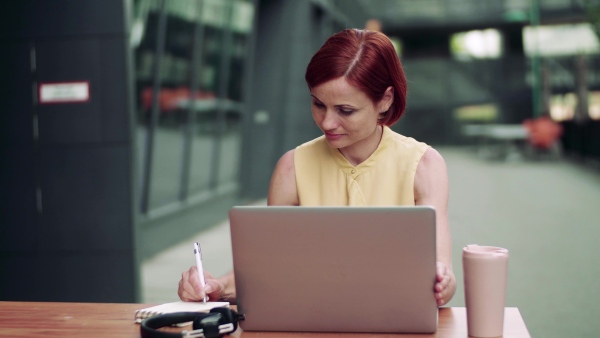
x: 176, y: 307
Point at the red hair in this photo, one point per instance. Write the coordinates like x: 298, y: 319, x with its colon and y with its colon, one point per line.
x: 368, y: 61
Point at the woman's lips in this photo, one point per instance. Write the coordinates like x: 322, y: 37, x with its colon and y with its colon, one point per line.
x: 331, y: 136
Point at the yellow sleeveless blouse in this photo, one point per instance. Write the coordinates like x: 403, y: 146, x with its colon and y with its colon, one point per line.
x: 324, y: 176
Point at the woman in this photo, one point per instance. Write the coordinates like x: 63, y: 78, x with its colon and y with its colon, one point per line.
x: 358, y: 91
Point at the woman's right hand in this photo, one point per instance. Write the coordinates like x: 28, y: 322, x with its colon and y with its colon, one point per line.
x: 216, y: 289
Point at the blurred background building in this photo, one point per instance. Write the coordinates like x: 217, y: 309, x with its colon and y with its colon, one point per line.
x: 128, y: 125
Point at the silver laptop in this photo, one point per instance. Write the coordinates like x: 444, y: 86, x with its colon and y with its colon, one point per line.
x: 335, y: 269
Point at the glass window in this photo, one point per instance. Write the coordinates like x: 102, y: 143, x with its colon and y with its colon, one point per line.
x: 556, y: 40
x: 562, y: 106
x: 594, y: 105
x: 143, y: 41
x: 476, y: 44
x: 172, y: 101
x: 196, y: 140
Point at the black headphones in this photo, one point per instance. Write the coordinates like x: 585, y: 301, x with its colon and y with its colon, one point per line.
x: 218, y: 322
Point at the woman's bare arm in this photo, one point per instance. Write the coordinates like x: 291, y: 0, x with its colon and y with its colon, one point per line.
x: 282, y: 190
x: 431, y: 188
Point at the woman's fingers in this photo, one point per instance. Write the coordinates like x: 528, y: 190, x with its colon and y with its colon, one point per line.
x: 443, y: 281
x: 189, y: 286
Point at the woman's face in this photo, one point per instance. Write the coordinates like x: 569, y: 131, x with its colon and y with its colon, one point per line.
x: 345, y: 114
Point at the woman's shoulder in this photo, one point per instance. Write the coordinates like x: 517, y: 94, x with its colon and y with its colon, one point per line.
x: 431, y: 178
x: 431, y: 167
x: 406, y: 141
x: 406, y: 146
x: 316, y: 142
x: 432, y: 157
x: 282, y: 189
x: 312, y: 148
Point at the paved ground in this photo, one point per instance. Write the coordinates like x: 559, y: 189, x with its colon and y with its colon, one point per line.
x: 547, y: 213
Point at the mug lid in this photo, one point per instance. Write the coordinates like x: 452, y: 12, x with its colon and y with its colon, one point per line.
x: 474, y: 249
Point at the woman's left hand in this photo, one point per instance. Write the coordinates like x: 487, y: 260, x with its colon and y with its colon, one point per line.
x: 445, y: 284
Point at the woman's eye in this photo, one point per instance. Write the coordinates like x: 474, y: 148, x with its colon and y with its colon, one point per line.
x: 346, y: 111
x: 318, y: 104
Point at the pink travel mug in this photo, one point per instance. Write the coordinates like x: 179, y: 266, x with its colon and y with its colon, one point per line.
x: 485, y: 270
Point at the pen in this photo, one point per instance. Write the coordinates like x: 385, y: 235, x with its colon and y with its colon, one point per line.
x: 198, y: 255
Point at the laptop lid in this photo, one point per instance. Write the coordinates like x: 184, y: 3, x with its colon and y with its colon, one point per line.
x: 336, y: 269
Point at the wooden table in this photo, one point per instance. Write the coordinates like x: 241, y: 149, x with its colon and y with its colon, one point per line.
x: 30, y: 319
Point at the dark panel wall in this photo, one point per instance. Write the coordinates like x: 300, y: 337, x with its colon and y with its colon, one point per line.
x: 278, y: 115
x: 67, y: 227
x: 299, y: 124
x: 267, y: 96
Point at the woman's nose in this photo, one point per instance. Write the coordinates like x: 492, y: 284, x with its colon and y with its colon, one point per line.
x: 329, y: 121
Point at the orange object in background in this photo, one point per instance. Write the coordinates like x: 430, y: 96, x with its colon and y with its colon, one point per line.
x: 169, y: 98
x: 543, y: 132
x: 373, y: 25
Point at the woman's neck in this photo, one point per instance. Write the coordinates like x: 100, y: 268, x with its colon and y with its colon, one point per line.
x: 360, y: 151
